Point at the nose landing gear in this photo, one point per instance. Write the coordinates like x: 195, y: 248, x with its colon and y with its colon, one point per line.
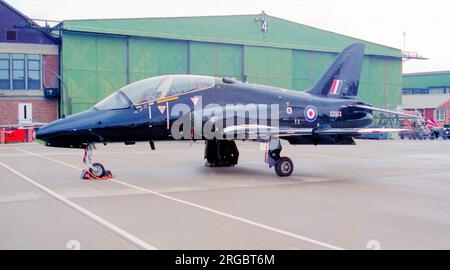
x: 95, y: 171
x: 283, y: 165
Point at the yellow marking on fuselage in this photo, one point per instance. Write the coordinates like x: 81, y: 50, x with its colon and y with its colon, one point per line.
x: 166, y: 99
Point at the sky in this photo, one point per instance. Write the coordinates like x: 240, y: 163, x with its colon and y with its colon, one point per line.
x: 426, y: 23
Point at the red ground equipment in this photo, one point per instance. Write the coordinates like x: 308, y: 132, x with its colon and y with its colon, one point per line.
x: 95, y: 171
x: 16, y: 135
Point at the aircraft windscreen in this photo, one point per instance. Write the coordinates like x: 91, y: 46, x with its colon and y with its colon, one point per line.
x: 164, y: 86
x: 114, y: 101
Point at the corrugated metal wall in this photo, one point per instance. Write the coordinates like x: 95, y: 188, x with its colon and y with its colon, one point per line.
x: 308, y: 67
x: 215, y: 59
x: 152, y: 57
x: 269, y: 66
x: 93, y: 66
x: 425, y: 80
x: 380, y: 81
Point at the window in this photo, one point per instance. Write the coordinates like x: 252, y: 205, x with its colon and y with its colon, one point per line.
x: 115, y: 101
x: 440, y: 115
x: 34, y: 71
x: 186, y: 83
x: 18, y: 70
x: 437, y: 90
x: 11, y: 35
x: 144, y: 90
x: 164, y: 86
x: 415, y: 91
x: 4, y: 71
x: 420, y: 112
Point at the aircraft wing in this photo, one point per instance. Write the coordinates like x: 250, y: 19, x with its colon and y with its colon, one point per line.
x: 382, y: 110
x: 357, y: 131
x: 345, y: 131
x: 266, y: 132
x: 262, y: 131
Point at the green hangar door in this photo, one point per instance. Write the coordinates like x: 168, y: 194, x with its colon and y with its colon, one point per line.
x: 152, y: 57
x: 308, y: 67
x: 268, y: 66
x: 92, y: 68
x: 214, y: 59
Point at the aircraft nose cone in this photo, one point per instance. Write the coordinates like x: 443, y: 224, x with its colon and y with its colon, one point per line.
x: 42, y: 133
x: 60, y: 127
x: 46, y: 131
x: 71, y: 131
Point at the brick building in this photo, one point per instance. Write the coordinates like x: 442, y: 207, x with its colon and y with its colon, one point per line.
x: 428, y: 93
x: 29, y: 60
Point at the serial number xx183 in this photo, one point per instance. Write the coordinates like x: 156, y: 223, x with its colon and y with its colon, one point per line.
x: 335, y: 114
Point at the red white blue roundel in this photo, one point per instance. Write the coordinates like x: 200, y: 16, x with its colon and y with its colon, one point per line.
x: 310, y: 113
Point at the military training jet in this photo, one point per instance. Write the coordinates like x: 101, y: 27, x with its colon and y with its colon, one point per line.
x: 222, y: 110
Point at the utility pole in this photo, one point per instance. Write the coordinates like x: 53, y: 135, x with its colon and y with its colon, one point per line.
x: 404, y: 40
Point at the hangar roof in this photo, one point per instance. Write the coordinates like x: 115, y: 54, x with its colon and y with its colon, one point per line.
x: 426, y: 73
x: 426, y: 79
x: 232, y: 29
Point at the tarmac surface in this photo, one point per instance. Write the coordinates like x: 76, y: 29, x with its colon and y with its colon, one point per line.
x: 378, y: 194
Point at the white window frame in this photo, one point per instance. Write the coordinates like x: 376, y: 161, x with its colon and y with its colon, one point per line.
x: 421, y: 112
x: 440, y: 115
x: 25, y: 113
x: 41, y: 73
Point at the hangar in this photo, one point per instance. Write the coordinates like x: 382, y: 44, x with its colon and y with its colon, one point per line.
x: 99, y: 56
x: 428, y: 93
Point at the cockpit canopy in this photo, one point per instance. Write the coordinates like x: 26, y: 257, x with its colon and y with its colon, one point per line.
x: 154, y: 88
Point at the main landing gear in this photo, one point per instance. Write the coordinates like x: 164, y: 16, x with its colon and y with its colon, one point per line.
x: 224, y: 153
x: 283, y: 165
x: 95, y: 171
x: 221, y: 153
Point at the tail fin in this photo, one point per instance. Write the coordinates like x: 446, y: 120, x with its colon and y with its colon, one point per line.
x: 342, y: 77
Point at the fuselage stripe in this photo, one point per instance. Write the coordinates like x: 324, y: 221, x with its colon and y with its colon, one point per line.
x: 166, y: 99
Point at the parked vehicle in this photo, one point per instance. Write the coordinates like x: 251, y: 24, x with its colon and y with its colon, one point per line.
x: 418, y: 130
x: 446, y: 132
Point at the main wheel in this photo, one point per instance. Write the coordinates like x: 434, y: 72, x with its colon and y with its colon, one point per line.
x: 284, y: 167
x: 98, y: 170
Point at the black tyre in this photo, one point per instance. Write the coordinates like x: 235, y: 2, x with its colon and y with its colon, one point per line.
x: 284, y: 167
x: 98, y: 170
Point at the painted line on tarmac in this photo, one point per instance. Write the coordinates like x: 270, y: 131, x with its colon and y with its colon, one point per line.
x: 198, y: 206
x: 97, y: 154
x: 237, y: 218
x: 122, y: 233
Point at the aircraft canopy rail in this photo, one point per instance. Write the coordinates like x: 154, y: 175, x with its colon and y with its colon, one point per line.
x: 164, y: 86
x: 155, y: 88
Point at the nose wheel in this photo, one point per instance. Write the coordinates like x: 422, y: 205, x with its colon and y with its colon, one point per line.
x: 98, y: 170
x: 283, y: 165
x: 95, y: 171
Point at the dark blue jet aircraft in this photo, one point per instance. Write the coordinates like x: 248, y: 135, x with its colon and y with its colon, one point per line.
x: 221, y: 110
